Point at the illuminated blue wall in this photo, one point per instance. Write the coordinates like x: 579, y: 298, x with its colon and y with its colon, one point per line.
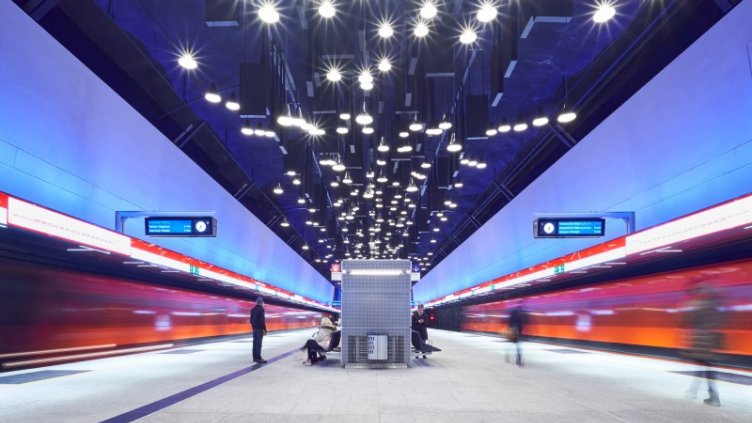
x: 68, y: 142
x: 683, y: 142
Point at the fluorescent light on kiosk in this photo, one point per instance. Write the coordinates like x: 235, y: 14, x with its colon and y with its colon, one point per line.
x: 35, y: 218
x: 719, y: 218
x: 376, y: 272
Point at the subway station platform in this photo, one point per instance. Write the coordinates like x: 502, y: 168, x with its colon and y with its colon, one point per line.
x: 469, y: 381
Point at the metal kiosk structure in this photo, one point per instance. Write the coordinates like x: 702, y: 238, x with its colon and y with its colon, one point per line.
x: 376, y: 313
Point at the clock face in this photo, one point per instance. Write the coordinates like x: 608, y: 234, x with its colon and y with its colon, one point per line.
x: 549, y: 228
x: 200, y: 226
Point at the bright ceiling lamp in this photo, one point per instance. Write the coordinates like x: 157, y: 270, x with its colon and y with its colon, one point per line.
x: 187, y: 61
x: 566, y: 117
x: 339, y: 166
x: 382, y: 179
x: 368, y: 130
x: 301, y: 200
x: 411, y: 187
x: 541, y: 119
x: 334, y: 184
x: 363, y: 117
x: 415, y: 125
x: 212, y: 95
x: 383, y: 146
x: 505, y: 126
x: 365, y: 77
x: 296, y: 181
x: 380, y: 162
x: 385, y: 30
x: 344, y: 116
x: 342, y: 130
x: 269, y: 134
x: 457, y: 184
x: 468, y: 36
x: 385, y: 65
x: 487, y: 12
x: 434, y: 131
x: 368, y: 194
x: 305, y: 247
x: 406, y: 147
x: 259, y: 132
x: 286, y: 119
x: 366, y: 86
x: 278, y: 189
x: 268, y: 13
x: 334, y: 75
x: 472, y: 162
x: 285, y: 223
x: 445, y: 124
x: 246, y: 129
x: 481, y: 165
x: 522, y: 126
x: 420, y: 30
x: 604, y: 12
x: 491, y: 131
x: 347, y: 179
x: 326, y: 9
x: 232, y: 103
x: 425, y: 165
x: 404, y: 134
x: 454, y: 146
x: 428, y: 10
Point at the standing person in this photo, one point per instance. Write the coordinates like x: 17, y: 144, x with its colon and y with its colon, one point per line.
x: 420, y: 324
x: 703, y: 322
x: 517, y: 322
x: 258, y: 323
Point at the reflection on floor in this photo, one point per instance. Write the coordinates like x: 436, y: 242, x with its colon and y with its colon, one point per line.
x: 468, y: 381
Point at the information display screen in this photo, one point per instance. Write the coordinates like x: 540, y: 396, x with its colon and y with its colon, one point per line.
x: 181, y: 226
x: 571, y: 227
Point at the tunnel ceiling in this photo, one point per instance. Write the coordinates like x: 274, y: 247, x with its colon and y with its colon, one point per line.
x: 533, y: 59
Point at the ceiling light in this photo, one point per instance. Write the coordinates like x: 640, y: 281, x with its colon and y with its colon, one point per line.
x: 504, y: 127
x: 344, y: 116
x: 420, y: 30
x: 338, y: 167
x: 368, y: 194
x: 566, y: 117
x: 334, y: 75
x: 363, y: 117
x: 472, y: 162
x: 305, y: 246
x: 278, y: 189
x: 436, y: 228
x: 286, y: 119
x: 385, y: 30
x: 411, y: 187
x: 428, y: 10
x: 383, y: 146
x: 381, y: 162
x: 381, y: 179
x: 187, y: 61
x: 444, y: 219
x: 334, y: 184
x: 232, y: 103
x: 605, y: 11
x: 301, y: 200
x: 520, y: 127
x: 342, y: 130
x: 326, y: 9
x: 246, y: 129
x: 490, y: 132
x: 385, y: 65
x: 268, y: 13
x: 285, y: 223
x: 296, y: 181
x: 270, y: 134
x: 541, y: 119
x: 395, y: 183
x: 445, y: 123
x: 347, y: 179
x: 365, y: 77
x: 212, y: 95
x: 259, y: 132
x: 433, y: 241
x: 425, y: 165
x: 453, y: 205
x: 290, y: 173
x: 434, y: 131
x: 481, y: 165
x: 468, y: 36
x: 404, y: 134
x: 487, y: 12
x: 454, y: 146
x: 368, y: 130
x: 366, y: 86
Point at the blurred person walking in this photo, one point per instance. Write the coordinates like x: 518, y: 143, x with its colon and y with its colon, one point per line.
x: 258, y: 323
x: 420, y: 325
x: 517, y: 322
x: 703, y: 337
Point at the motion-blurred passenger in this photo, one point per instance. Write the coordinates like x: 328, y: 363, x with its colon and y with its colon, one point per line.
x: 703, y: 323
x: 420, y: 324
x: 320, y: 342
x: 258, y: 323
x: 517, y: 322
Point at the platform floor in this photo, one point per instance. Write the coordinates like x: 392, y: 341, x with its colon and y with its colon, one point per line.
x: 469, y: 381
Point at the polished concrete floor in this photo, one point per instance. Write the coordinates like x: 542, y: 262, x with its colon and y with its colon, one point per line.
x: 469, y: 381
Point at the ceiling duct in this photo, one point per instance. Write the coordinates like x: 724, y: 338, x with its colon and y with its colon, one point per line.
x: 255, y: 90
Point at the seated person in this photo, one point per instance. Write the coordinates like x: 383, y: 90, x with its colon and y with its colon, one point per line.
x: 320, y: 341
x: 420, y: 325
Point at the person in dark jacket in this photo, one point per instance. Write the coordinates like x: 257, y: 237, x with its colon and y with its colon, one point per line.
x: 258, y: 323
x: 517, y: 322
x: 420, y: 324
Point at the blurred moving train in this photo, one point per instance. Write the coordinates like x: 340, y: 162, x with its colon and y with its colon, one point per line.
x: 50, y: 311
x: 647, y: 311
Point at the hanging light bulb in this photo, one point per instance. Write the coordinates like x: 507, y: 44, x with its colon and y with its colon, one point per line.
x: 212, y: 95
x: 365, y: 77
x: 468, y: 36
x: 520, y: 127
x: 347, y: 179
x: 285, y: 223
x: 232, y: 103
x: 368, y: 130
x: 382, y: 179
x: 187, y: 61
x: 445, y: 124
x: 411, y: 187
x: 383, y: 146
x: 268, y: 13
x: 278, y: 189
x: 326, y: 9
x: 491, y: 131
x: 425, y: 165
x: 415, y: 125
x: 604, y: 12
x: 342, y: 130
x: 246, y: 129
x: 334, y: 75
x: 541, y: 119
x: 404, y: 134
x: 385, y: 30
x: 428, y: 10
x: 344, y: 116
x: 487, y: 12
x: 566, y: 117
x: 286, y: 119
x: 363, y: 117
x: 385, y: 65
x: 338, y: 166
x: 505, y: 126
x: 454, y: 146
x: 421, y: 29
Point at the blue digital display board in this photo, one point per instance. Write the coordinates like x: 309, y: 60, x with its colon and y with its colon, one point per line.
x: 571, y: 227
x: 181, y: 226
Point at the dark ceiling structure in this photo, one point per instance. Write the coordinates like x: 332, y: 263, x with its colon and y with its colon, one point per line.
x: 350, y: 143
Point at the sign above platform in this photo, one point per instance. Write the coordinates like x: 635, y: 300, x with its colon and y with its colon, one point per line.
x: 181, y: 226
x: 569, y: 227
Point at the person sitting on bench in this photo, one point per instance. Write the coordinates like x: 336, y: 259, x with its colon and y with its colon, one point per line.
x: 320, y: 341
x: 420, y: 325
